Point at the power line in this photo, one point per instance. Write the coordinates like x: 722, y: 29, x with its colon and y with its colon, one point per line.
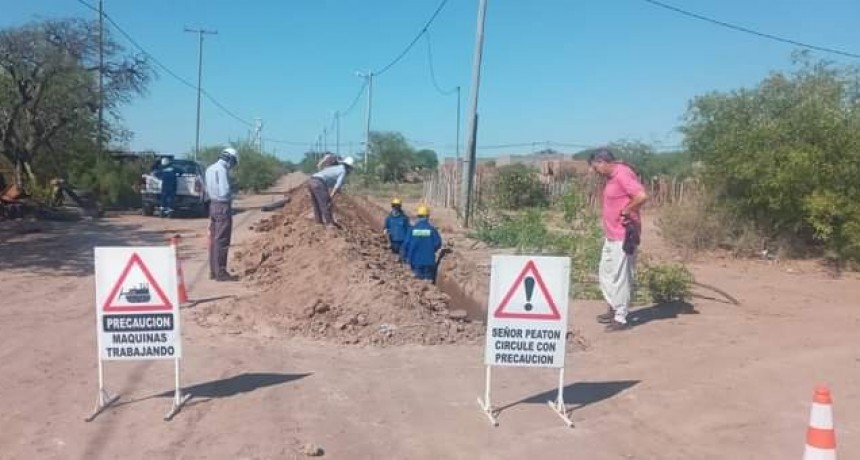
x: 751, y: 31
x: 225, y: 109
x: 433, y: 72
x: 170, y: 72
x: 414, y: 40
x: 354, y: 101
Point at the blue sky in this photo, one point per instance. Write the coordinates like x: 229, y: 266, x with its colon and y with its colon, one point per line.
x: 580, y: 72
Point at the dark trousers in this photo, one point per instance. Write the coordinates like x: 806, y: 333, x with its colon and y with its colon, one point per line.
x: 167, y: 200
x: 321, y: 201
x: 395, y: 246
x: 220, y: 231
x: 424, y: 272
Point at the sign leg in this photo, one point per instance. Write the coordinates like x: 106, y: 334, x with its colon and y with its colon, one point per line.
x: 558, y: 405
x: 104, y: 399
x: 178, y: 399
x: 486, y: 405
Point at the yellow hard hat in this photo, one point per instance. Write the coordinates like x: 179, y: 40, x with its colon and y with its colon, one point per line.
x: 396, y: 202
x: 423, y: 211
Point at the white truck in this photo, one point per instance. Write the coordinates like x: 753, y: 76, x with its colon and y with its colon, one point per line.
x: 190, y: 189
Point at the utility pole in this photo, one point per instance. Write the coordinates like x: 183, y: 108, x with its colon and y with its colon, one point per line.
x: 457, y: 165
x: 200, y: 33
x: 471, y: 150
x: 369, y: 77
x: 258, y: 134
x: 337, y: 133
x: 100, y: 140
x: 325, y: 139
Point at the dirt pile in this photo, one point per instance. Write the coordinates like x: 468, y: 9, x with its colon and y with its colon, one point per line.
x: 343, y: 285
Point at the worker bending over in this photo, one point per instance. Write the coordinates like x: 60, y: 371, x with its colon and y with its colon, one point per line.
x: 422, y: 242
x: 329, y: 178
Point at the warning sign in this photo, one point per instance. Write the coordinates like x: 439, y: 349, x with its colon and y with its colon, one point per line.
x: 137, y: 304
x: 527, y: 314
x: 135, y: 290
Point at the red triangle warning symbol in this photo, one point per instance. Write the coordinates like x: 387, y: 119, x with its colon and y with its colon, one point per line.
x: 142, y: 292
x: 526, y: 310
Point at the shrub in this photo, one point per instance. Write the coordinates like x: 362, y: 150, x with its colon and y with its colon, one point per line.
x: 704, y: 225
x: 516, y: 187
x: 664, y: 283
x: 525, y: 232
x: 572, y: 203
x: 784, y: 154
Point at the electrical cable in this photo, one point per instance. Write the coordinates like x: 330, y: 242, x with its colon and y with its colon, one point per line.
x: 414, y: 40
x: 751, y: 31
x: 170, y: 72
x: 433, y: 72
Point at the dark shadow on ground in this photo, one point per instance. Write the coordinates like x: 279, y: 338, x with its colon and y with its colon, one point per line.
x: 660, y: 311
x: 195, y: 302
x: 242, y: 383
x: 578, y: 395
x: 65, y: 248
x: 727, y: 298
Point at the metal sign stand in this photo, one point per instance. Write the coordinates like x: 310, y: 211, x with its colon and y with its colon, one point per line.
x: 104, y: 398
x: 486, y: 405
x: 178, y: 399
x: 558, y: 406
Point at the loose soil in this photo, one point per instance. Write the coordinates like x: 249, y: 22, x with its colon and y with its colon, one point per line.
x: 343, y: 285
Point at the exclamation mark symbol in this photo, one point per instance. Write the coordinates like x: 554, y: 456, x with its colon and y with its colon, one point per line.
x: 530, y: 289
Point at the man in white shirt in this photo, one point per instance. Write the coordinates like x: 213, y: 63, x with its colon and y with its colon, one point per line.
x: 331, y: 177
x: 220, y: 213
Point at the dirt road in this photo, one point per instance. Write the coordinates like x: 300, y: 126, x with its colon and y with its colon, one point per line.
x: 733, y: 382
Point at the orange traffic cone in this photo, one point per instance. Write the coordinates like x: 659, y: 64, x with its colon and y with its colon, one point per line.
x: 820, y: 436
x: 183, y: 293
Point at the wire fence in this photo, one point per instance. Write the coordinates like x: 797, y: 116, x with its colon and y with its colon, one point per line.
x: 443, y: 187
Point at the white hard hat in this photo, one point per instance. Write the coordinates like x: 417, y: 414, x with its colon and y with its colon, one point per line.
x: 165, y: 161
x: 349, y: 161
x: 230, y: 154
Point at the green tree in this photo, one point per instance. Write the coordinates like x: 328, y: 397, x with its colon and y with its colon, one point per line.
x: 392, y: 156
x: 49, y: 93
x: 255, y: 172
x: 425, y: 159
x: 786, y: 153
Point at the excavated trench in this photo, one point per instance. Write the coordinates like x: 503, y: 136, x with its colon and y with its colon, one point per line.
x: 340, y: 285
x: 374, y: 216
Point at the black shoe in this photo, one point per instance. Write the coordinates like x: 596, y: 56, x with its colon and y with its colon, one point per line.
x: 616, y: 326
x: 606, y: 318
x: 227, y: 277
x: 212, y: 276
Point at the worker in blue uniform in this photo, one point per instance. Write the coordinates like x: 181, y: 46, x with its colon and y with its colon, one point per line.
x: 169, y: 176
x: 396, y: 225
x: 422, y: 242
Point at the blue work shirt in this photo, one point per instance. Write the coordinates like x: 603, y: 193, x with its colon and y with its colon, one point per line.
x: 218, y: 182
x: 422, y: 242
x: 332, y: 176
x: 397, y: 224
x: 169, y: 177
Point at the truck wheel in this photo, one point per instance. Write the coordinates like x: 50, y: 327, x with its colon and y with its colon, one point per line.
x: 148, y: 210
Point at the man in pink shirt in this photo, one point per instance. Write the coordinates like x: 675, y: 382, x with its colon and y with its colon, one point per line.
x: 623, y: 196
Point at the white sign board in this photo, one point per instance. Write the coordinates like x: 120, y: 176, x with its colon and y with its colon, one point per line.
x: 527, y: 311
x: 137, y: 305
